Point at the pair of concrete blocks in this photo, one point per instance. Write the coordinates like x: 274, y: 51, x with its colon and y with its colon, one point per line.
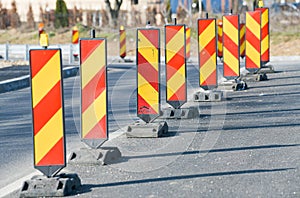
x: 207, y: 96
x: 158, y: 129
x: 56, y: 186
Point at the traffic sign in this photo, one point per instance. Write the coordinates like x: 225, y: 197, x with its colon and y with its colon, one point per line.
x: 265, y: 37
x: 148, y: 71
x: 207, y: 53
x: 253, y: 40
x: 47, y: 110
x: 94, y: 123
x: 231, y: 43
x: 175, y: 65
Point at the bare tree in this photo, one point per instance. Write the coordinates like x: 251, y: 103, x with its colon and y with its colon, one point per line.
x: 30, y: 19
x: 114, y: 13
x: 14, y: 17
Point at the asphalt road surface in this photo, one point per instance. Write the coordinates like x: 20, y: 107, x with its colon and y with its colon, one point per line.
x: 247, y: 145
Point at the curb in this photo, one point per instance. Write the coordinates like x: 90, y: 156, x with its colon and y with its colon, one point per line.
x: 23, y: 81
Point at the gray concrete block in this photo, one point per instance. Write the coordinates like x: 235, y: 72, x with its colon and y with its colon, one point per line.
x: 233, y: 85
x: 57, y: 186
x: 207, y: 96
x: 266, y: 69
x: 147, y: 130
x: 250, y: 77
x: 182, y: 113
x: 101, y: 156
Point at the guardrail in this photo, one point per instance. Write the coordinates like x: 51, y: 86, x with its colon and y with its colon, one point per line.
x: 21, y: 52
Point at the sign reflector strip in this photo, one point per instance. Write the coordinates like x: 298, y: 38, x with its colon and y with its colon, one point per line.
x: 148, y: 71
x: 94, y: 129
x: 175, y: 65
x: 47, y: 110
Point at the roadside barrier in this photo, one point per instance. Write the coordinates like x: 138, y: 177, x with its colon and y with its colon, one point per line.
x: 148, y: 85
x: 231, y: 54
x: 207, y: 53
x: 176, y: 86
x: 48, y: 127
x: 93, y: 119
x: 94, y: 122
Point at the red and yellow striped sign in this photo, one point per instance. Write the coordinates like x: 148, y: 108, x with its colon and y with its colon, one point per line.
x: 242, y: 40
x: 175, y: 65
x: 220, y: 38
x: 75, y: 35
x: 47, y: 110
x: 265, y: 39
x: 148, y: 67
x: 188, y: 42
x: 231, y: 37
x: 207, y: 53
x: 122, y: 42
x: 94, y: 129
x: 253, y: 40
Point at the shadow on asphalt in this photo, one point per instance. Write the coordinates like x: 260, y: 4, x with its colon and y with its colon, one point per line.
x: 126, y: 158
x: 85, y: 188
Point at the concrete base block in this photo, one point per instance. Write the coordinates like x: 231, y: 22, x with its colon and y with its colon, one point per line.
x: 207, y: 96
x: 147, y: 130
x: 250, y: 77
x: 266, y: 69
x: 57, y: 186
x: 182, y: 113
x: 101, y: 156
x: 234, y: 85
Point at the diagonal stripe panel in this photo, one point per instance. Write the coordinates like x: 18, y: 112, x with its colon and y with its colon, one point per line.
x: 148, y: 67
x: 47, y: 110
x: 230, y: 28
x: 44, y: 141
x: 39, y: 85
x: 207, y: 52
x: 94, y: 130
x: 175, y: 47
x: 231, y: 43
x: 253, y: 40
x: 93, y: 59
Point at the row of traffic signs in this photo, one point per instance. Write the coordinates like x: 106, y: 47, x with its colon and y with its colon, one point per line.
x: 47, y: 86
